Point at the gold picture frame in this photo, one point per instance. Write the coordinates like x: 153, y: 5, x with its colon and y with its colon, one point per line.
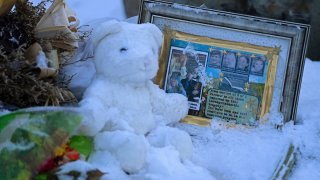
x: 271, y: 53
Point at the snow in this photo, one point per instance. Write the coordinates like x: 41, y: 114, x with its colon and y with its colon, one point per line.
x: 178, y: 6
x: 167, y: 136
x: 88, y: 11
x: 309, y: 132
x: 222, y: 151
x: 108, y: 164
x: 80, y: 166
x: 128, y: 148
x: 164, y: 163
x: 41, y: 60
x: 243, y: 153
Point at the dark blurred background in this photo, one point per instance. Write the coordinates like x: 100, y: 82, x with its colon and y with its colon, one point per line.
x: 302, y: 11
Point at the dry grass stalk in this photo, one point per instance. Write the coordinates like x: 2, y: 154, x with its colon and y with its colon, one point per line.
x: 19, y: 84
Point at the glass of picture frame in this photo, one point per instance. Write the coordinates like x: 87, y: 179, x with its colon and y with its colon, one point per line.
x: 233, y: 67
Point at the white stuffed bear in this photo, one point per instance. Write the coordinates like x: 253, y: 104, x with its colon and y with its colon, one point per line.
x: 124, y: 103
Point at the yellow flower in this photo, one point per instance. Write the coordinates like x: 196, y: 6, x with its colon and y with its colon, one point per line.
x: 59, y: 151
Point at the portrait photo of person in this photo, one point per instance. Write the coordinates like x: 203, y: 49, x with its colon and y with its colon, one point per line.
x: 178, y: 62
x: 194, y: 95
x: 192, y: 87
x: 229, y: 61
x: 243, y: 63
x: 188, y: 83
x: 174, y: 86
x: 257, y: 67
x: 215, y: 59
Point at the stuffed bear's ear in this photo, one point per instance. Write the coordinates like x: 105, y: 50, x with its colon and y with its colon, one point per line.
x: 99, y: 33
x: 156, y: 32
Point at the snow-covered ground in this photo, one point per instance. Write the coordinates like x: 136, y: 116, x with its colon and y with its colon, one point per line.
x: 308, y: 166
x: 234, y: 153
x: 242, y: 153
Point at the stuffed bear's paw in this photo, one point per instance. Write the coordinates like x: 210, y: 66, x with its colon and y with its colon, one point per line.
x: 178, y: 107
x: 166, y: 136
x: 92, y: 122
x: 128, y: 148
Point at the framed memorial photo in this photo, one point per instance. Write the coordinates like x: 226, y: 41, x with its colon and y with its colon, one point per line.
x: 233, y: 67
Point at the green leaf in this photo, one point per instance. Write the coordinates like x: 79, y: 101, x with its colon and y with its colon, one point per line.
x: 5, y: 120
x: 41, y: 177
x: 62, y: 119
x: 83, y: 144
x: 12, y: 168
x: 24, y: 174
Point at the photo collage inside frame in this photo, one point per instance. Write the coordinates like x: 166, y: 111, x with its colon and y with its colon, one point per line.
x: 218, y: 82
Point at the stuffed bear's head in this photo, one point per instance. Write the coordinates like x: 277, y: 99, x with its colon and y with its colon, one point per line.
x: 127, y: 52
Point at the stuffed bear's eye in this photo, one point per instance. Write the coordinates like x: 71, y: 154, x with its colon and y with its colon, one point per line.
x: 123, y: 49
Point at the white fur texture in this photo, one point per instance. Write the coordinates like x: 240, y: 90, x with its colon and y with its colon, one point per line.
x: 123, y: 102
x: 128, y: 148
x: 167, y: 136
x: 106, y: 162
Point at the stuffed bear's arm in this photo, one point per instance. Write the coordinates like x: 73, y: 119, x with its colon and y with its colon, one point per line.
x: 171, y: 107
x: 94, y: 121
x: 100, y: 113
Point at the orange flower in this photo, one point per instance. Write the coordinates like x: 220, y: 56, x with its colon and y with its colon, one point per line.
x: 72, y: 155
